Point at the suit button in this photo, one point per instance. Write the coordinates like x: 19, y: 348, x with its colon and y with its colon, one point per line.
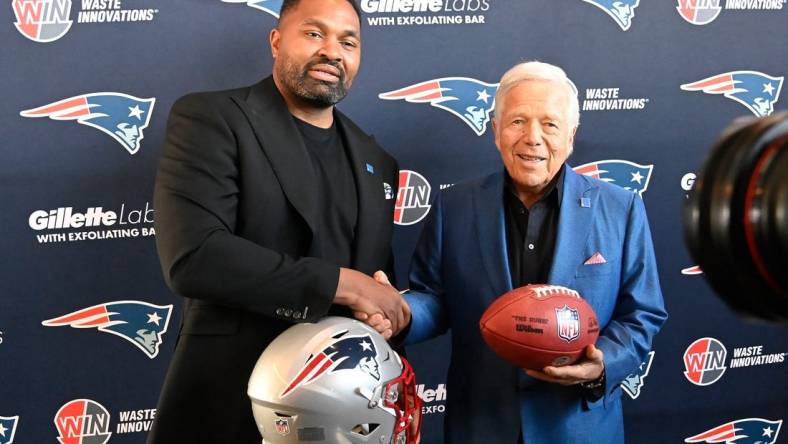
x: 279, y: 311
x: 297, y: 314
x: 288, y: 312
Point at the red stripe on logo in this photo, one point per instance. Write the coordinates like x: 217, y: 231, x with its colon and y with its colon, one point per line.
x: 303, y: 373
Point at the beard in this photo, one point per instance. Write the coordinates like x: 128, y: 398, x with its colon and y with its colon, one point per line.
x: 315, y: 92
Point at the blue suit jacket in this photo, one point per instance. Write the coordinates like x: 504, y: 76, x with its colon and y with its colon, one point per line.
x: 460, y: 267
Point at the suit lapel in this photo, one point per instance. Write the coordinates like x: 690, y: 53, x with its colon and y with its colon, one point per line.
x: 578, y: 204
x: 369, y: 191
x: 491, y: 232
x: 283, y: 145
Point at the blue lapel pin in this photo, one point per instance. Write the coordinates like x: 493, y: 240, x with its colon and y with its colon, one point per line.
x: 370, y: 169
x: 585, y: 202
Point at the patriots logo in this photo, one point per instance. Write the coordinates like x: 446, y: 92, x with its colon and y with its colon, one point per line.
x: 469, y: 99
x: 755, y: 90
x: 633, y: 383
x: 628, y: 175
x: 139, y: 323
x: 621, y: 11
x: 742, y: 431
x: 270, y: 6
x: 8, y: 429
x: 121, y: 116
x: 343, y: 354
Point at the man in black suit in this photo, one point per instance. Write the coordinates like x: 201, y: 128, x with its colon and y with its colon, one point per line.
x: 270, y: 209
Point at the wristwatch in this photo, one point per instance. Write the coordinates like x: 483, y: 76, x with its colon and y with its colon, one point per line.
x: 596, y: 383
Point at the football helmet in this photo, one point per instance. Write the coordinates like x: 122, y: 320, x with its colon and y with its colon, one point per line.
x: 334, y: 381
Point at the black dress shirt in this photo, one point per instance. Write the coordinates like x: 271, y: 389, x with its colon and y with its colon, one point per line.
x: 531, y: 232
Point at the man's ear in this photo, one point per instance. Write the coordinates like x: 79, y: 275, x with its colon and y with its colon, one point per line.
x: 494, y: 122
x: 274, y: 38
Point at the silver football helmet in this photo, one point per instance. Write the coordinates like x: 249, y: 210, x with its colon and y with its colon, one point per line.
x: 334, y: 381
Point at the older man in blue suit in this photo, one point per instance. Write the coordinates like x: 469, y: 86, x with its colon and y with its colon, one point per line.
x: 536, y: 221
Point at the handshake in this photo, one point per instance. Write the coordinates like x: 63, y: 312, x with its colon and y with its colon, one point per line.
x: 373, y: 300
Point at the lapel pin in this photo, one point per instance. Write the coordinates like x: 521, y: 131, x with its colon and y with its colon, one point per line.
x: 585, y: 202
x: 370, y: 169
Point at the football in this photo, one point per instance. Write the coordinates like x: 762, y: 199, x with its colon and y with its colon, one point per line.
x: 539, y: 325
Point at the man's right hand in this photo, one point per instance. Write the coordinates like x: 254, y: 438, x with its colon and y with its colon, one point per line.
x: 368, y: 298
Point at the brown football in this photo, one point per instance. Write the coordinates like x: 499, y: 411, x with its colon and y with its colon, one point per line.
x: 539, y: 325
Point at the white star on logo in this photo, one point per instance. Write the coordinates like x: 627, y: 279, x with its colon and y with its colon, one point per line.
x: 366, y: 345
x: 135, y: 112
x: 483, y: 96
x: 636, y: 177
x: 768, y: 88
x: 3, y: 429
x: 154, y: 318
x: 768, y: 432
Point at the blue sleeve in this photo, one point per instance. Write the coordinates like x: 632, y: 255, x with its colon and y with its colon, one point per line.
x: 640, y: 309
x: 426, y: 294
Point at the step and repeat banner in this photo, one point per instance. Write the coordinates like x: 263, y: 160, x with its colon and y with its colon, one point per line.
x: 87, y: 325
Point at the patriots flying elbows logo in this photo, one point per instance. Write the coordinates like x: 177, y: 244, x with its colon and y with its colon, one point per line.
x: 8, y: 429
x: 469, y: 99
x: 621, y: 11
x: 755, y: 90
x: 742, y: 431
x: 121, y: 116
x: 628, y: 175
x: 270, y: 6
x: 343, y: 354
x: 139, y: 323
x: 633, y: 383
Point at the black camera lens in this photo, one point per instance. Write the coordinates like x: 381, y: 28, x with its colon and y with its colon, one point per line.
x: 736, y: 218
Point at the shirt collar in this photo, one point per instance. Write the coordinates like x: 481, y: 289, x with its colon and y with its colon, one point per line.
x: 554, y: 188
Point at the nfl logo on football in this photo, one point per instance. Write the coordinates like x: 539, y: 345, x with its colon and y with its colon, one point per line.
x: 282, y: 426
x: 568, y: 321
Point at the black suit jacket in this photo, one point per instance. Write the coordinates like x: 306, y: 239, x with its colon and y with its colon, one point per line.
x: 236, y: 209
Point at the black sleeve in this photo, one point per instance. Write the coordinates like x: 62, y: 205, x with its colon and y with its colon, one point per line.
x: 196, y: 200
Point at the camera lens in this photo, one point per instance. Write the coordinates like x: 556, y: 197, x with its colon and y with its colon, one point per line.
x: 736, y: 219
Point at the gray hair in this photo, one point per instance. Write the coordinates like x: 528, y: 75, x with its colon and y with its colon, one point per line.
x: 530, y: 71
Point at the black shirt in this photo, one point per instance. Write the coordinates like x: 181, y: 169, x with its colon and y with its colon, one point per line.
x: 336, y: 192
x: 531, y: 233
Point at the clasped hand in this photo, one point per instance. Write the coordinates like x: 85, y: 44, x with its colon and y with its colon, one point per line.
x: 373, y: 301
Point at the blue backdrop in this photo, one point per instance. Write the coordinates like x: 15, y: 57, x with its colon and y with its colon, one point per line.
x: 87, y: 325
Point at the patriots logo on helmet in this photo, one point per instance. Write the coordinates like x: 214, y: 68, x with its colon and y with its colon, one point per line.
x: 741, y: 431
x: 139, y: 323
x: 469, y: 99
x: 121, y: 116
x: 8, y: 429
x: 633, y: 383
x: 755, y: 90
x: 621, y: 11
x: 270, y: 6
x: 628, y: 175
x: 343, y: 354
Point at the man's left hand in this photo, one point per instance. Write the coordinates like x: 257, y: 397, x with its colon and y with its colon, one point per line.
x: 587, y: 369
